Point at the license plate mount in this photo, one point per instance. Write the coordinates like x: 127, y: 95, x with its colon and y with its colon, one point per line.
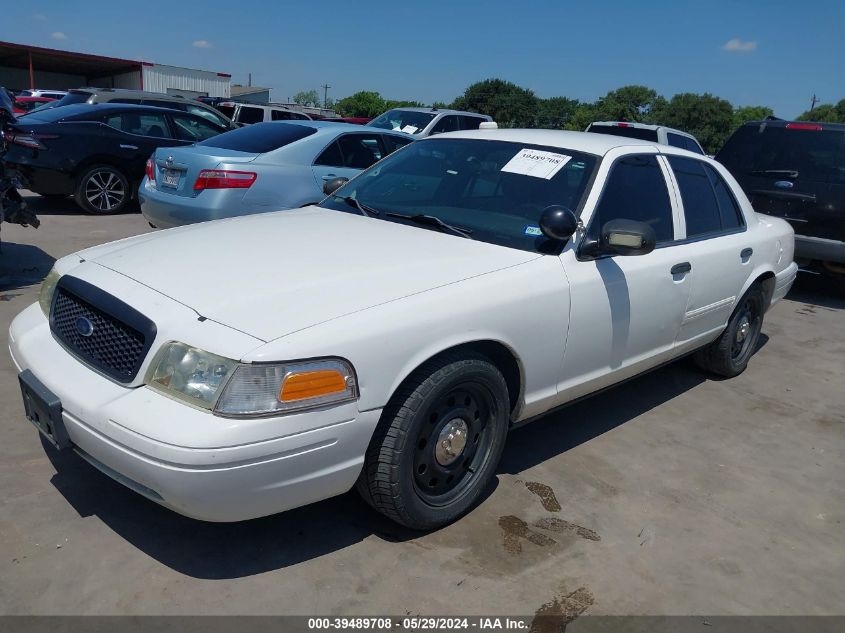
x: 44, y: 409
x: 171, y: 178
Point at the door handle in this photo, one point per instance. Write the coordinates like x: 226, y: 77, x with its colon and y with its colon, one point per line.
x: 328, y: 177
x: 122, y: 146
x: 746, y: 254
x: 681, y: 269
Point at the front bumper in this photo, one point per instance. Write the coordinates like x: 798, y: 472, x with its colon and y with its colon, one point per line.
x: 820, y: 249
x: 198, y: 464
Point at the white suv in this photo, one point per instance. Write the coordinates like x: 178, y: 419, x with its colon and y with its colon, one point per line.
x: 642, y: 131
x: 247, y: 113
x: 422, y: 122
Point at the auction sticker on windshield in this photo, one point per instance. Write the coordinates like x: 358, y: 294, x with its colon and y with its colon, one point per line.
x: 537, y: 163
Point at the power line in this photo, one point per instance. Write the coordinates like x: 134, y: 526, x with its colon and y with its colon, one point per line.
x: 325, y: 88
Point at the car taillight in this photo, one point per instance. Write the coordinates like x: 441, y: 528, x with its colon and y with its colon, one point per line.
x: 804, y: 126
x: 29, y: 139
x: 224, y: 179
x: 622, y: 125
x: 149, y: 170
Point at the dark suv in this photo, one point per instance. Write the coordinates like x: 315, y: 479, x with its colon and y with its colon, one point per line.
x: 795, y: 170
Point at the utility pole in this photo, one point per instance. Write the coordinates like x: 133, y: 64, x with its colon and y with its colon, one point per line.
x: 325, y: 88
x: 813, y: 102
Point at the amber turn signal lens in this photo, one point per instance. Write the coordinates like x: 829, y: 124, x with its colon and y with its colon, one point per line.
x: 311, y: 384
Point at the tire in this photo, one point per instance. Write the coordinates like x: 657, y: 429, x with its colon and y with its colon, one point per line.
x: 729, y: 354
x: 103, y: 190
x: 438, y: 443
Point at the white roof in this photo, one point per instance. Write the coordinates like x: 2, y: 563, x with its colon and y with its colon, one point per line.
x: 579, y: 141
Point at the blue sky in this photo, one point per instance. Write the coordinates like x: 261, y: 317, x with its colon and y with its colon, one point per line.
x: 751, y: 53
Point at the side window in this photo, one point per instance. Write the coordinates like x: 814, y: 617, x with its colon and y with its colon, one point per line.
x: 193, y: 129
x: 701, y: 209
x: 280, y: 115
x: 471, y: 122
x: 249, y: 114
x: 636, y: 190
x: 392, y: 143
x: 448, y: 123
x: 676, y: 140
x: 331, y: 156
x: 693, y: 146
x: 359, y: 150
x: 132, y: 101
x: 728, y: 206
x: 141, y: 124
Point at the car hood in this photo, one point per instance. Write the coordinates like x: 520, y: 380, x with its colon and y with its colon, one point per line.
x: 272, y: 274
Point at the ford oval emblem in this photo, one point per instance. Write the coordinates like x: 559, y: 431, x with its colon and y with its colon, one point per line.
x: 84, y: 326
x: 784, y: 184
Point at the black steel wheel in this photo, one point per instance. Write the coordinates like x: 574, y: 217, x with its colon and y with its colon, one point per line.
x: 729, y: 354
x: 438, y: 443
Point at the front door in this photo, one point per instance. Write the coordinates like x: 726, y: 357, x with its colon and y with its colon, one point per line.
x: 626, y: 310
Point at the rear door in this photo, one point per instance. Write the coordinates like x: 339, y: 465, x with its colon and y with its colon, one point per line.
x: 794, y: 171
x: 136, y: 135
x: 347, y: 156
x: 717, y: 244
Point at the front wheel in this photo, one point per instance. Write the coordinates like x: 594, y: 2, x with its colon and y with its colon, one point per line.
x: 103, y: 190
x: 438, y: 443
x: 729, y: 354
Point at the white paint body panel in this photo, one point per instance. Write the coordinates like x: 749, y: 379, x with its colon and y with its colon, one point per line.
x: 386, y: 297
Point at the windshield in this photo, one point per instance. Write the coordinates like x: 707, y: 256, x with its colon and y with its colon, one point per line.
x: 494, y: 190
x: 403, y: 120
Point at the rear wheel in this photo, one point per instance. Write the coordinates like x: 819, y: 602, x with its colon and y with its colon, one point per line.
x: 103, y: 190
x: 438, y: 443
x: 729, y: 354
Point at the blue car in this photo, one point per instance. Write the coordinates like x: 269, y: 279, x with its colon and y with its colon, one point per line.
x: 258, y: 168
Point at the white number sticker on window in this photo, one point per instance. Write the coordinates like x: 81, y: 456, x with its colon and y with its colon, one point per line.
x: 536, y: 163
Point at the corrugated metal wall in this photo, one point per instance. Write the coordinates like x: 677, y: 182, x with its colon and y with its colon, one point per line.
x: 159, y: 78
x: 131, y: 80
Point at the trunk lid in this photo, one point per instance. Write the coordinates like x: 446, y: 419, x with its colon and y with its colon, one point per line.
x: 176, y: 168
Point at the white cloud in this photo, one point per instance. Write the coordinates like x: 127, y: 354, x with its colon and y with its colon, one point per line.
x: 58, y: 35
x: 202, y: 44
x: 737, y: 45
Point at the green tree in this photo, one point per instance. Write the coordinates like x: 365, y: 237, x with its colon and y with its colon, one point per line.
x: 825, y: 113
x: 629, y: 103
x: 555, y: 112
x: 708, y: 118
x: 440, y: 105
x: 390, y: 103
x: 307, y: 98
x: 362, y: 103
x: 751, y: 113
x: 508, y: 104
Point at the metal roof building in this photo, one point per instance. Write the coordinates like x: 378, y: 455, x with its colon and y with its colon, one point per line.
x: 24, y: 66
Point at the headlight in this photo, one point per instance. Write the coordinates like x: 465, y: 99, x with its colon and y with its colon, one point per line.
x: 261, y: 389
x: 212, y: 382
x: 189, y: 373
x: 48, y: 288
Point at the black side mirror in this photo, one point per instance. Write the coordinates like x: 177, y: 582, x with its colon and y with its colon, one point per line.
x: 330, y: 186
x: 627, y: 237
x: 558, y: 223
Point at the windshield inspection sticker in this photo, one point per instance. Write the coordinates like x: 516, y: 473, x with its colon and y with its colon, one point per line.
x: 536, y: 163
x: 532, y: 230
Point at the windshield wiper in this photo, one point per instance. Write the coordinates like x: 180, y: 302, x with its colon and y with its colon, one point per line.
x: 363, y: 208
x: 430, y: 220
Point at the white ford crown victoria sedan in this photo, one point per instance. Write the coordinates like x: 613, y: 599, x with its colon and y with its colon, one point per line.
x: 389, y: 337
